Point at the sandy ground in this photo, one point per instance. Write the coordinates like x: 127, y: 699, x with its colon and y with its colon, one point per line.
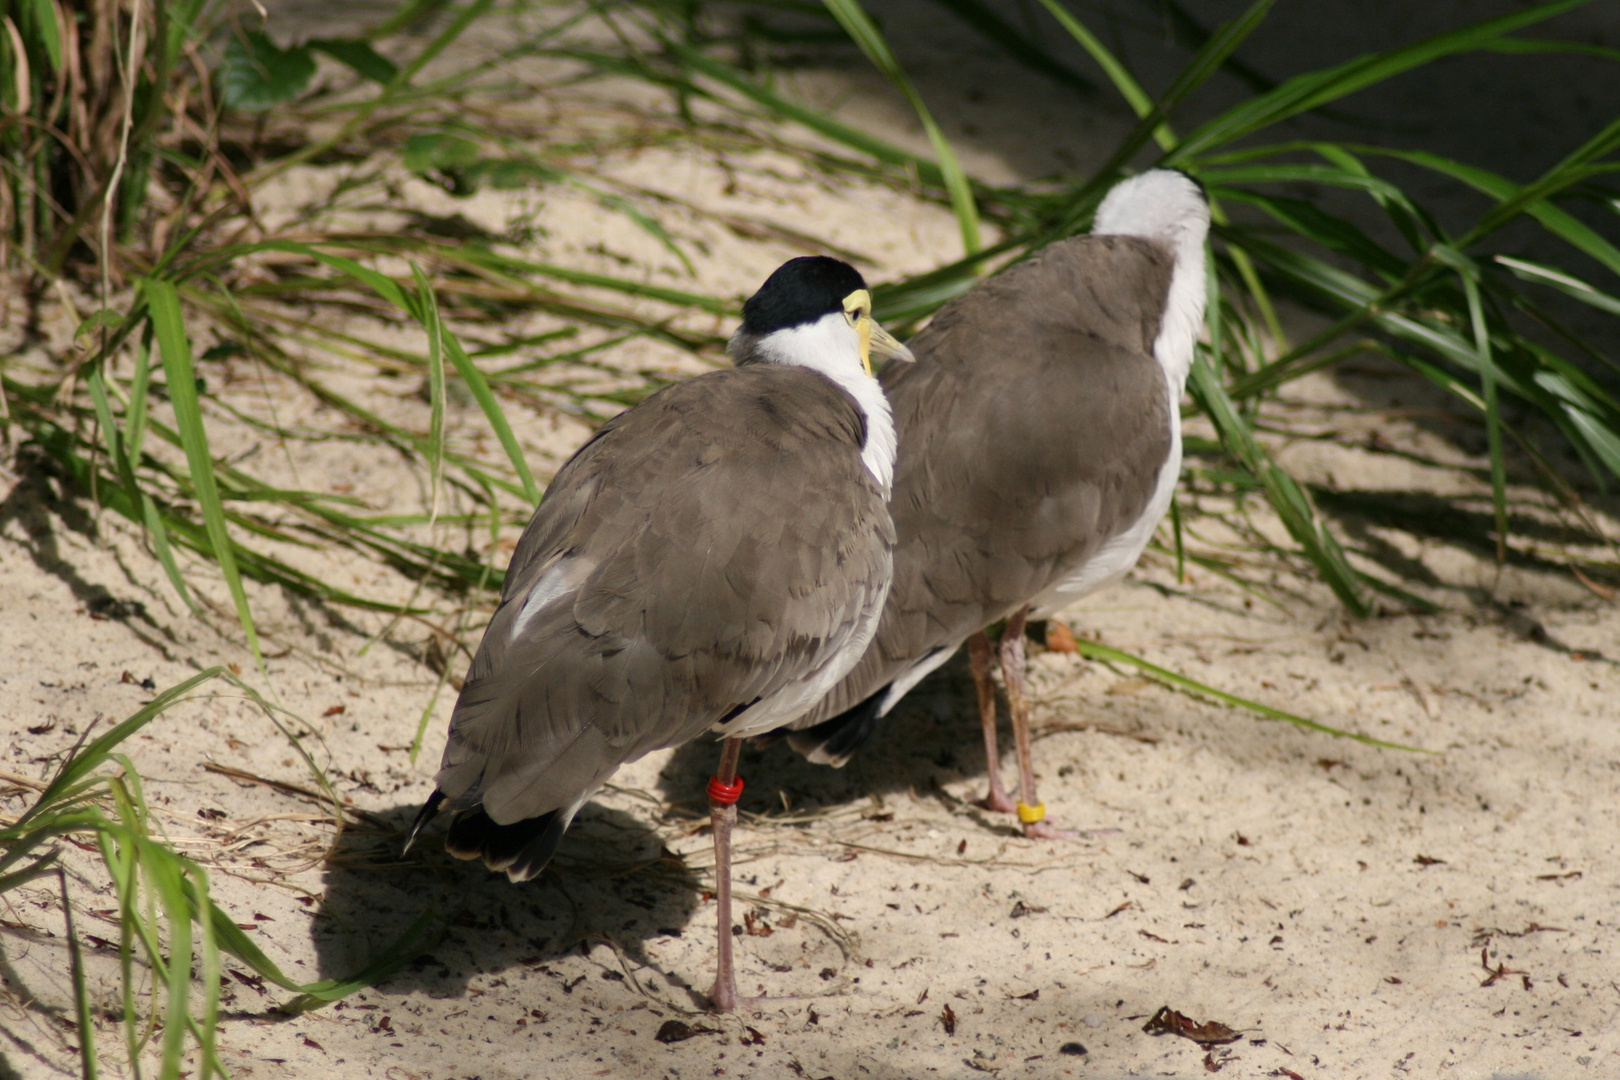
x: 1349, y: 911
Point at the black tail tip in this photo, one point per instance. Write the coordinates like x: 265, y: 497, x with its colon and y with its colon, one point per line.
x: 833, y: 742
x: 429, y: 811
x: 520, y: 850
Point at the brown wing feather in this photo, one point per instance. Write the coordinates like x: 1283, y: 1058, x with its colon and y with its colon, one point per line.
x: 1031, y: 428
x: 724, y: 539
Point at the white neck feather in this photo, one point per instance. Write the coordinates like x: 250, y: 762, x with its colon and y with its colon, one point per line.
x: 831, y: 346
x: 1167, y: 207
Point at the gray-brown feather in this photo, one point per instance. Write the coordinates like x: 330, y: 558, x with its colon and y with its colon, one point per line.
x: 715, y: 544
x: 1032, y: 428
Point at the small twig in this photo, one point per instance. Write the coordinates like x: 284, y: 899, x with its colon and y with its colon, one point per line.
x: 1102, y: 729
x: 22, y: 781
x: 297, y: 789
x: 109, y: 198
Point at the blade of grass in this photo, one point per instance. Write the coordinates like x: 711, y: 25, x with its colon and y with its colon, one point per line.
x: 1016, y: 45
x: 1139, y: 100
x: 1467, y: 272
x: 1563, y: 281
x: 427, y: 312
x: 1203, y: 64
x: 1291, y: 502
x: 494, y: 414
x: 776, y: 105
x: 1317, y: 88
x: 1572, y: 170
x: 212, y: 970
x: 1092, y: 650
x: 859, y: 26
x: 79, y: 765
x: 89, y: 1065
x: 1544, y: 45
x: 165, y: 880
x: 1554, y: 219
x: 167, y: 325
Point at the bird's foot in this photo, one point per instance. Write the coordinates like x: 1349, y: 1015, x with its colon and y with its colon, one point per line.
x: 723, y: 994
x: 1036, y: 825
x: 726, y: 1000
x: 999, y: 802
x: 1045, y: 830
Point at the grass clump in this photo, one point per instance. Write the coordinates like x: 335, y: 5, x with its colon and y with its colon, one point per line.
x: 169, y: 927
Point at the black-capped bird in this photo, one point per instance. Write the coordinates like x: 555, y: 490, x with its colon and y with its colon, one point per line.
x: 1040, y: 443
x: 714, y: 559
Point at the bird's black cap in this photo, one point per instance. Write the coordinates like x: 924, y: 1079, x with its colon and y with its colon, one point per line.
x: 801, y: 291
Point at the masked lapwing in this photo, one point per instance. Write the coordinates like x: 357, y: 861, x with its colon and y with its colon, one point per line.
x: 714, y: 559
x: 1040, y: 443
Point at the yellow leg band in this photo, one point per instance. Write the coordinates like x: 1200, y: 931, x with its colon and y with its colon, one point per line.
x: 1029, y: 815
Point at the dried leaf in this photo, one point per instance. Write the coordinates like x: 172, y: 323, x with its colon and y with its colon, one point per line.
x: 1059, y: 638
x: 1169, y: 1022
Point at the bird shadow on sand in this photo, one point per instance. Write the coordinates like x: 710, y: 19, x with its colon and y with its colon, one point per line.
x: 611, y: 882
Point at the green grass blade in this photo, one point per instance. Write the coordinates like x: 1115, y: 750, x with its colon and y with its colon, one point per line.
x: 135, y: 413
x: 859, y: 26
x: 1016, y: 45
x: 1181, y: 549
x: 1203, y: 64
x: 383, y: 285
x: 1572, y: 170
x: 1493, y: 412
x: 1555, y: 220
x: 36, y: 869
x: 1318, y: 88
x: 421, y: 934
x: 409, y: 944
x: 493, y: 413
x: 1292, y: 504
x: 483, y: 257
x: 88, y: 1064
x: 427, y: 311
x: 775, y: 104
x: 1092, y: 650
x: 1330, y: 231
x: 1140, y: 101
x: 79, y: 765
x: 163, y: 877
x: 164, y: 307
x: 110, y: 434
x: 1542, y: 45
x: 208, y: 1023
x: 1563, y: 281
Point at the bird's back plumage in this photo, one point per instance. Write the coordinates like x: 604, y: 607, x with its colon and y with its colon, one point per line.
x: 1033, y: 429
x: 703, y: 559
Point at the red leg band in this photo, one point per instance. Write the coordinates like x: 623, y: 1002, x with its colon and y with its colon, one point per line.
x: 725, y: 794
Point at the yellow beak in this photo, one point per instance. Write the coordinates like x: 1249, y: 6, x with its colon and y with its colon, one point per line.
x: 875, y: 339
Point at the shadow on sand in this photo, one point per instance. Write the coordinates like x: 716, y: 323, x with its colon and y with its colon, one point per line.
x: 611, y: 881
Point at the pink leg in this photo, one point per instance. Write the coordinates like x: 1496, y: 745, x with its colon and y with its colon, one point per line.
x: 723, y: 816
x: 1031, y: 811
x: 979, y: 661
